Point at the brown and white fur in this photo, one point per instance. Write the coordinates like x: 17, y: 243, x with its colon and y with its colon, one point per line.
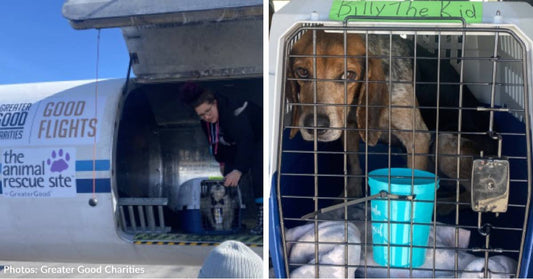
x: 367, y: 107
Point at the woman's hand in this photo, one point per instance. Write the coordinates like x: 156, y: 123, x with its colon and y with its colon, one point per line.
x: 232, y: 178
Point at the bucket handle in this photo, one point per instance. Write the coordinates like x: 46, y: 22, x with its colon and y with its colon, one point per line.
x: 381, y: 195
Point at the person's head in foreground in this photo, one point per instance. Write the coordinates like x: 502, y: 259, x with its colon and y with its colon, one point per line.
x: 232, y: 259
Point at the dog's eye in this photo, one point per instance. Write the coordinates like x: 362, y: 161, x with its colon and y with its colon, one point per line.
x: 302, y: 72
x: 349, y: 75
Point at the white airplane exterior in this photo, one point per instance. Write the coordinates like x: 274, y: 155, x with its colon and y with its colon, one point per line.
x: 89, y: 168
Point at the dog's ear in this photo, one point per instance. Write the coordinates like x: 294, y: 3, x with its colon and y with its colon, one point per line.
x: 292, y: 90
x: 377, y: 96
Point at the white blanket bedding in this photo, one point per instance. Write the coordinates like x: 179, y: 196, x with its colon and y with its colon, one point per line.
x: 335, y: 238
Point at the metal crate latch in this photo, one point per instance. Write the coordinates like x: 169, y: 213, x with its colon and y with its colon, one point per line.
x: 490, y: 185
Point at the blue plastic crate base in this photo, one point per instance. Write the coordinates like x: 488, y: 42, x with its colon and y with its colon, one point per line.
x: 208, y: 207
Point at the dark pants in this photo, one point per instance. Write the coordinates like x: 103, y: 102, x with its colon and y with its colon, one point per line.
x: 255, y: 172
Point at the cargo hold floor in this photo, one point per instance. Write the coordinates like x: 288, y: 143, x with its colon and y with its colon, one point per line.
x: 195, y: 239
x: 177, y: 237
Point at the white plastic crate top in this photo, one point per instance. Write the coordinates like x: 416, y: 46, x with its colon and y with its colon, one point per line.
x: 187, y: 196
x: 515, y: 16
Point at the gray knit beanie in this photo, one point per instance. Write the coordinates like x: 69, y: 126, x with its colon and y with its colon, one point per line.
x: 232, y: 259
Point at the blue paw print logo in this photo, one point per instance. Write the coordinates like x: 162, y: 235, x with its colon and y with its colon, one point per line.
x: 58, y: 161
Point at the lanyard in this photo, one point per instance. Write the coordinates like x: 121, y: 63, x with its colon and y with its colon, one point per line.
x: 212, y: 134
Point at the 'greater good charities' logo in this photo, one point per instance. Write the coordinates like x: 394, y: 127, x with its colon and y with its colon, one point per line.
x: 42, y: 172
x: 12, y: 120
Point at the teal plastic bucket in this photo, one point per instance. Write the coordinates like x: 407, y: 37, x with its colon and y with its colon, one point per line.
x: 397, y: 241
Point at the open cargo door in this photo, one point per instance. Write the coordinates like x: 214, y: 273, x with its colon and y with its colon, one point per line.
x: 169, y: 40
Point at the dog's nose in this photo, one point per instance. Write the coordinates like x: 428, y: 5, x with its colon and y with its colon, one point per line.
x: 322, y: 121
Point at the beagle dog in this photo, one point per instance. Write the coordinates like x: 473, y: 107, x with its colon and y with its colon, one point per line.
x: 348, y: 91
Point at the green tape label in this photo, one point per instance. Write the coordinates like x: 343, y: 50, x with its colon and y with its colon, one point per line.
x: 215, y: 177
x: 472, y: 12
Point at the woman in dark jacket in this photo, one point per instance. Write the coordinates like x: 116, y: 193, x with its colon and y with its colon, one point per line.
x: 234, y: 131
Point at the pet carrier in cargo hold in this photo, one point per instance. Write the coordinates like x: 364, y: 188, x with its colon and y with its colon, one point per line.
x: 400, y: 147
x: 206, y: 206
